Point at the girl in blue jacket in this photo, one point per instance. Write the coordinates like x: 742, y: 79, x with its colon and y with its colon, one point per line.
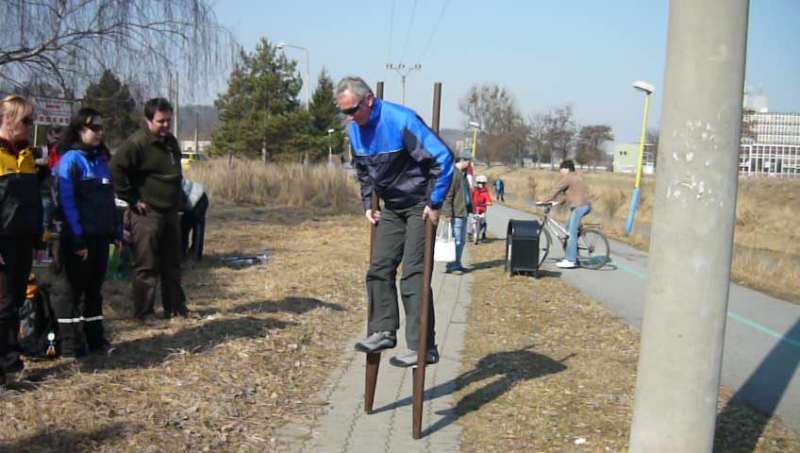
x: 85, y: 199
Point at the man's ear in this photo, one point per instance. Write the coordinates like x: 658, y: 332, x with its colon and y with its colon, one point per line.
x: 370, y: 100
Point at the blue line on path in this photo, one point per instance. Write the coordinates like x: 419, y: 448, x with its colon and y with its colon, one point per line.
x: 733, y: 315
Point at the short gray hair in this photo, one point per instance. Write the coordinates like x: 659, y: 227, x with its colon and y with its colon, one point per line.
x: 355, y: 85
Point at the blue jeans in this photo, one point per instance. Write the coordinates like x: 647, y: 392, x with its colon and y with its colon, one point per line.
x: 575, y: 217
x: 459, y: 225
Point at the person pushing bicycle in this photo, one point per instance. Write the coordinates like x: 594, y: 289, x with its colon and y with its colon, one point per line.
x: 576, y: 196
x: 481, y: 200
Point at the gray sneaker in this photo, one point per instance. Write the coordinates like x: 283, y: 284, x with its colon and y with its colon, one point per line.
x: 409, y: 358
x: 377, y: 341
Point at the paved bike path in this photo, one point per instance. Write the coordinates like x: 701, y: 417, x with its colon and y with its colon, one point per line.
x: 344, y: 427
x: 762, y: 335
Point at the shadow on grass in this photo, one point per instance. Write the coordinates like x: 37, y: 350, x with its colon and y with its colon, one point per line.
x: 65, y: 441
x: 502, y: 369
x: 487, y: 265
x: 763, y: 390
x: 152, y: 351
x: 296, y: 305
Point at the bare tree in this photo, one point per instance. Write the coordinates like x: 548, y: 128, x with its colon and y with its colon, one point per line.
x: 559, y: 133
x: 590, y: 138
x: 536, y: 139
x: 69, y: 42
x: 504, y: 133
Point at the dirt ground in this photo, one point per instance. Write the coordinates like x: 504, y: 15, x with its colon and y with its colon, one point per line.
x: 268, y: 337
x: 556, y: 372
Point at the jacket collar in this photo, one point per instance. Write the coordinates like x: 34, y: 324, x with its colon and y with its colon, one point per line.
x: 13, y: 148
x: 154, y: 138
x: 375, y: 114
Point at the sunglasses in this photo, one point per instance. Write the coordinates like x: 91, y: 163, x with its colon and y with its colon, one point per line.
x: 28, y: 120
x: 95, y: 127
x: 352, y: 110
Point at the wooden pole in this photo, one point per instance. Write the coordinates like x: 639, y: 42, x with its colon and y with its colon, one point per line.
x: 427, y: 295
x: 373, y: 358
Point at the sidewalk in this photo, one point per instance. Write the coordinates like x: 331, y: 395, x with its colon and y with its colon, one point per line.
x: 346, y: 428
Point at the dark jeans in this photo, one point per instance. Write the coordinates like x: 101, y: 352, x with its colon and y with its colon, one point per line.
x: 157, y: 256
x: 400, y: 237
x: 17, y: 252
x: 79, y: 304
x: 194, y: 222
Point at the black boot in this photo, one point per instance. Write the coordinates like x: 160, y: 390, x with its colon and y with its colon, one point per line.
x: 95, y: 337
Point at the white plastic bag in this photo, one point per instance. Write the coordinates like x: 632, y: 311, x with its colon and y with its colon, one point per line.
x: 444, y: 249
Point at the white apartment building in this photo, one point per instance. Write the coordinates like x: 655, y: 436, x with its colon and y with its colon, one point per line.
x: 774, y: 148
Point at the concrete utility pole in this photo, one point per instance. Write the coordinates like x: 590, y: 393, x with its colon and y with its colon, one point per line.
x: 690, y: 252
x: 403, y: 70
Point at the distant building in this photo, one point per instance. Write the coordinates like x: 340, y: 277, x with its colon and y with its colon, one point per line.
x: 626, y: 157
x: 773, y: 147
x: 187, y: 146
x: 774, y: 128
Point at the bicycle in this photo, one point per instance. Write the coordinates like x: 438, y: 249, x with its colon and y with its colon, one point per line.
x: 593, y: 249
x: 477, y: 223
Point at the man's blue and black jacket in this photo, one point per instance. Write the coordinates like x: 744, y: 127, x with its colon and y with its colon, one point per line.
x: 401, y: 158
x: 85, y: 194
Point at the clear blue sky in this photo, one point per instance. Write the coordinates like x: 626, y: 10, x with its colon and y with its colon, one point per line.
x: 585, y: 53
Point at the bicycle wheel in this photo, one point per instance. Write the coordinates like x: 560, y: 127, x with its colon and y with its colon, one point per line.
x: 545, y: 242
x: 593, y: 249
x: 476, y: 230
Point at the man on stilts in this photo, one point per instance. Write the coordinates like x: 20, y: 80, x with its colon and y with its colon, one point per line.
x: 397, y: 156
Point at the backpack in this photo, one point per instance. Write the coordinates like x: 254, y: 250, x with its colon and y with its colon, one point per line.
x: 38, y: 325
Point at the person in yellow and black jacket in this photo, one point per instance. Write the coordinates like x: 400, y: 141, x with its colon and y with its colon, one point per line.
x: 20, y: 224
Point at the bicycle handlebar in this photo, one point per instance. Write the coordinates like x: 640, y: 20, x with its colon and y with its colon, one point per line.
x: 549, y: 204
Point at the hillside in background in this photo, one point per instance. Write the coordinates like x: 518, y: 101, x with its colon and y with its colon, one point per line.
x: 204, y: 117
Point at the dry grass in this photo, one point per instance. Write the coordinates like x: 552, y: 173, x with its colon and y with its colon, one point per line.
x: 550, y: 367
x: 268, y: 338
x: 251, y: 182
x: 766, y: 245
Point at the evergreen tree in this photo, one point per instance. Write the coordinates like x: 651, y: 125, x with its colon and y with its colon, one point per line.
x: 113, y: 100
x: 324, y: 117
x: 261, y: 107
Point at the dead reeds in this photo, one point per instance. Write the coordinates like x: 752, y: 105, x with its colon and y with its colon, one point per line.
x: 250, y: 182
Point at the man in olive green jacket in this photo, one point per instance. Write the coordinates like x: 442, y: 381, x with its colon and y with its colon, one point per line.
x: 146, y: 173
x: 457, y: 207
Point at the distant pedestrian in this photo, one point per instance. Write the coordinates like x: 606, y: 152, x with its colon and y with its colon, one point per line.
x: 481, y: 200
x: 499, y: 190
x: 147, y: 174
x: 85, y: 200
x: 398, y: 156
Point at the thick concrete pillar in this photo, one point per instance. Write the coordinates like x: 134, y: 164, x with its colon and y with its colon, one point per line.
x: 692, y: 235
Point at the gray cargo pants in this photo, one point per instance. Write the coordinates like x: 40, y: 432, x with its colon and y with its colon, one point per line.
x: 400, y: 237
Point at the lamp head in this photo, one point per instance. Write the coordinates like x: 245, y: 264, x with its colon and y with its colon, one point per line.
x: 647, y: 87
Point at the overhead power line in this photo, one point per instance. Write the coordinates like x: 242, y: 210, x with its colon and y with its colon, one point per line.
x: 391, y: 31
x: 408, y: 32
x: 438, y: 22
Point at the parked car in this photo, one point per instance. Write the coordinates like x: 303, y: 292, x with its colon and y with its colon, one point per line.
x: 189, y: 158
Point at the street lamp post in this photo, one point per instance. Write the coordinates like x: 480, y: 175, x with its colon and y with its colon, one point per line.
x: 647, y: 89
x: 330, y: 146
x: 475, y: 127
x: 307, y: 85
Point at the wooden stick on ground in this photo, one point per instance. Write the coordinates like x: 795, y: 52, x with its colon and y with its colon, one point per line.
x: 427, y: 295
x: 373, y: 358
